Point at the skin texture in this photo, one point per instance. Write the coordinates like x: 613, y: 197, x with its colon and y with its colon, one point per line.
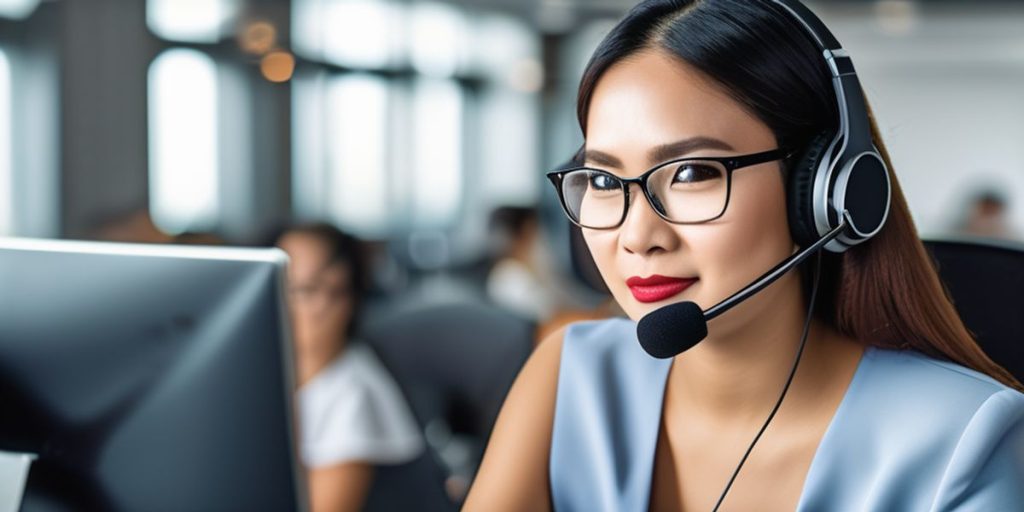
x: 720, y: 392
x: 321, y: 309
x: 339, y: 488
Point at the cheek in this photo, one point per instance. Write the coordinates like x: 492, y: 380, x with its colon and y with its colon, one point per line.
x: 318, y: 313
x: 304, y: 322
x: 760, y: 208
x: 603, y: 246
x: 751, y: 239
x: 344, y: 314
x: 337, y: 314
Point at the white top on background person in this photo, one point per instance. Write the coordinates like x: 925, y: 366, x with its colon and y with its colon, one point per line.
x: 352, y: 411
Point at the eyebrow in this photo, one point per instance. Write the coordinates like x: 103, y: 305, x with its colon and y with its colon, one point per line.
x: 660, y: 153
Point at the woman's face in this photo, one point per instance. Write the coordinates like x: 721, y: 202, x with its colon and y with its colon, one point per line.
x: 651, y: 100
x: 319, y: 294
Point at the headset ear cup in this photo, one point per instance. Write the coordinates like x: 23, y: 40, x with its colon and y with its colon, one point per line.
x: 800, y: 200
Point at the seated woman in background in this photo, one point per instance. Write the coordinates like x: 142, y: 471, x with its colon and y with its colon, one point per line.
x: 351, y: 413
x: 710, y: 131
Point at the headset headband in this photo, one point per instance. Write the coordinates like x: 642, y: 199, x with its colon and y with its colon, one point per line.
x: 837, y: 187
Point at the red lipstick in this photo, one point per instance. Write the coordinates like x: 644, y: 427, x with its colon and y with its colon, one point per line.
x: 657, y: 288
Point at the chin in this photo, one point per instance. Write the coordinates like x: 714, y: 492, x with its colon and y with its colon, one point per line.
x: 636, y: 310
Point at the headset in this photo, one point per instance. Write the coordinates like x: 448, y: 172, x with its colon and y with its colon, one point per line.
x: 840, y: 175
x: 838, y: 196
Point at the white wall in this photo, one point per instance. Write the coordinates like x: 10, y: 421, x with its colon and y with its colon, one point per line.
x: 947, y: 86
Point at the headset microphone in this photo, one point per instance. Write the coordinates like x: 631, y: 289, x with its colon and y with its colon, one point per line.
x: 673, y: 329
x: 838, y: 196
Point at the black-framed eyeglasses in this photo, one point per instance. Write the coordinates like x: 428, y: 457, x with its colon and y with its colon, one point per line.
x: 688, y: 190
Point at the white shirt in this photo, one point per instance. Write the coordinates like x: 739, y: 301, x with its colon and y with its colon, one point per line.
x: 352, y: 411
x: 511, y: 286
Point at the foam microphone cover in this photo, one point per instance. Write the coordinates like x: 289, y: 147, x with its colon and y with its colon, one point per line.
x: 671, y: 330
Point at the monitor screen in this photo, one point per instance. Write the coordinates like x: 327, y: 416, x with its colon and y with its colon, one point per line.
x: 147, y: 377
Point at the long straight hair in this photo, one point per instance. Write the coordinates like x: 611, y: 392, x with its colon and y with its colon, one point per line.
x: 884, y: 292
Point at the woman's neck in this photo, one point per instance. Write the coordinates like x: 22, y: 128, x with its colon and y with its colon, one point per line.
x: 738, y: 372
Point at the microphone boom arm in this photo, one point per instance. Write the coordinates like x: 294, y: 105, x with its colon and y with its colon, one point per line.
x: 776, y: 272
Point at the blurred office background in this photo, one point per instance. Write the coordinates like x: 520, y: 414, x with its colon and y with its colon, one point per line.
x: 409, y: 122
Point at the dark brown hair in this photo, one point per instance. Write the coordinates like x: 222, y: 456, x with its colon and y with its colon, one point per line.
x: 884, y: 292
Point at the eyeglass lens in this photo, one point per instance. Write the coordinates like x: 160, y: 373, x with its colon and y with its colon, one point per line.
x: 686, y: 192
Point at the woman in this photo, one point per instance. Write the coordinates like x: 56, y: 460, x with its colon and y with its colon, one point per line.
x: 351, y: 414
x: 892, y: 405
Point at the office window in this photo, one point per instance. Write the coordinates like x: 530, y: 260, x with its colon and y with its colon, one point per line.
x: 352, y: 33
x: 195, y: 21
x: 340, y: 156
x: 357, y: 184
x: 437, y: 146
x: 6, y: 197
x: 374, y: 156
x: 309, y: 165
x: 183, y: 170
x: 438, y: 44
x: 508, y: 149
x: 457, y: 109
x: 508, y: 53
x: 17, y: 9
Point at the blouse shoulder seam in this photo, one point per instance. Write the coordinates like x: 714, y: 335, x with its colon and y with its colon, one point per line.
x: 996, y: 395
x: 954, y: 367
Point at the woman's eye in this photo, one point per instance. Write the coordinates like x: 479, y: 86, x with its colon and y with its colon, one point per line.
x: 603, y: 182
x: 696, y: 173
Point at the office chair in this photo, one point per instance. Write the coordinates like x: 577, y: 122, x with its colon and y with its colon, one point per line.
x: 455, y: 362
x: 985, y: 279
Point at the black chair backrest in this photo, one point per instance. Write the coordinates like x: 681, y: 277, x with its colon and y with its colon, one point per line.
x: 455, y: 362
x: 456, y: 359
x: 985, y: 279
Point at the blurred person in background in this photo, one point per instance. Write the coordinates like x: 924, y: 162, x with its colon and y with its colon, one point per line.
x: 987, y: 217
x: 523, y: 278
x: 351, y: 413
x: 516, y: 281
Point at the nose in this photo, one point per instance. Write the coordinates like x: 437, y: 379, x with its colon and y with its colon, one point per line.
x: 643, y: 232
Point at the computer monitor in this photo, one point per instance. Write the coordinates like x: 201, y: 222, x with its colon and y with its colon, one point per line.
x: 147, y: 377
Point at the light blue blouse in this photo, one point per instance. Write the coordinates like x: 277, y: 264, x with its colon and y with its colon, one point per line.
x: 912, y: 433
